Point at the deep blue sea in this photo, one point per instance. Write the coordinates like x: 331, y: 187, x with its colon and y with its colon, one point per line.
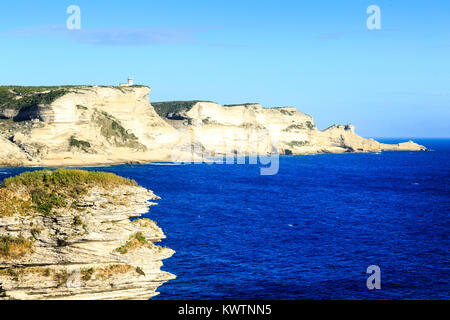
x: 309, y: 232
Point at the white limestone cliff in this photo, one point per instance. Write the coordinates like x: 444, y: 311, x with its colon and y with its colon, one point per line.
x: 91, y: 125
x: 88, y: 126
x: 251, y: 129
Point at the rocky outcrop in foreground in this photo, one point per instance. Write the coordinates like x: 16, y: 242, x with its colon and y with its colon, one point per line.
x: 93, y: 125
x: 67, y: 234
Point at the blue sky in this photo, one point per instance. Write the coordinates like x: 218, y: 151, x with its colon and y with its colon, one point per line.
x: 318, y: 56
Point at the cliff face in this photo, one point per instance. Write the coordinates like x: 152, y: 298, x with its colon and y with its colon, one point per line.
x: 77, y: 242
x: 251, y: 129
x: 105, y: 125
x: 87, y: 125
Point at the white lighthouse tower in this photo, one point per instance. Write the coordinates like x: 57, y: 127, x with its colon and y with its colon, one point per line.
x: 128, y: 84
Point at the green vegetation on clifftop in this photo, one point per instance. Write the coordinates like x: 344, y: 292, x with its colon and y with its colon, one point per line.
x: 241, y: 104
x: 16, y: 98
x: 19, y: 97
x: 43, y: 191
x: 165, y: 108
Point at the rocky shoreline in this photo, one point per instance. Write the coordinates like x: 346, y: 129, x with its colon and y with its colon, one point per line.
x: 67, y: 234
x: 93, y: 125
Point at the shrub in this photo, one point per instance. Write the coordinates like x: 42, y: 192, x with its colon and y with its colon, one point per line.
x: 87, y: 274
x: 246, y: 104
x: 49, y: 190
x: 285, y: 112
x: 14, y: 248
x: 65, y: 178
x: 164, y: 108
x: 79, y: 143
x: 77, y: 221
x: 293, y: 144
x: 140, y: 271
x: 29, y: 96
x: 136, y: 241
x: 295, y: 127
x: 114, y: 132
x: 46, y: 201
x: 11, y: 203
x: 111, y: 270
x: 310, y: 125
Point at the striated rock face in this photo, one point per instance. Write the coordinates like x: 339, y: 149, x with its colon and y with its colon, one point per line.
x: 78, y: 242
x: 243, y: 129
x: 88, y: 126
x: 91, y: 125
x: 251, y: 129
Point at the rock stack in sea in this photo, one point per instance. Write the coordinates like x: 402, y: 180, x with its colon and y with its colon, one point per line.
x: 67, y: 234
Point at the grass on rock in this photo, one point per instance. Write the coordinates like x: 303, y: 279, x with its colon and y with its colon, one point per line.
x: 167, y: 107
x: 75, y: 143
x: 136, y: 241
x: 45, y: 190
x: 14, y: 248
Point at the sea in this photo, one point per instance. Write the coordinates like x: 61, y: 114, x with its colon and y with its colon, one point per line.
x: 313, y: 231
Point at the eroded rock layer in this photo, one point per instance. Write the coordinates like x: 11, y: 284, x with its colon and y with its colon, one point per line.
x: 68, y: 235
